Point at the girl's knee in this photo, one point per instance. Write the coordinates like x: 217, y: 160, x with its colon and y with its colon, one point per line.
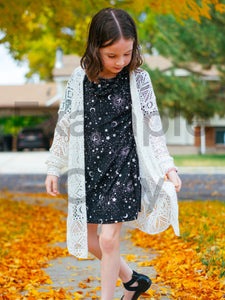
x: 109, y: 240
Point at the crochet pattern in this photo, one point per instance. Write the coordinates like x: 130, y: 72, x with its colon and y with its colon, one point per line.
x: 159, y: 199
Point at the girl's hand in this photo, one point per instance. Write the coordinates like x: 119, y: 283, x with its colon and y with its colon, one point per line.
x: 175, y: 179
x: 51, y: 185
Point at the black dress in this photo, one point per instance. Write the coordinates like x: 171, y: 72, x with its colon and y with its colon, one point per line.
x: 112, y: 182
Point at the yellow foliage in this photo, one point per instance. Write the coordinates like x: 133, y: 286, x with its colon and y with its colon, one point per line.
x: 181, y: 9
x: 47, y: 23
x: 191, y: 265
x: 131, y: 257
x: 188, y: 267
x: 27, y: 231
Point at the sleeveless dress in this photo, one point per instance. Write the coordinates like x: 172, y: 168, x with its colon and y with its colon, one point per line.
x: 112, y: 182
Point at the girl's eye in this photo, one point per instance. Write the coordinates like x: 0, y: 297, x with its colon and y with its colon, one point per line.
x: 111, y: 56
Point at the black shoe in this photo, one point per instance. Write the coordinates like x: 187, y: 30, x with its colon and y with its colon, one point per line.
x: 144, y: 283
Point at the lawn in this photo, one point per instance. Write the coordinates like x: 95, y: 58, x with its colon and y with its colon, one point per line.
x: 206, y: 160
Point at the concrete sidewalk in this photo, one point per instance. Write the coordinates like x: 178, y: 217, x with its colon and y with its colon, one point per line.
x: 27, y: 162
x: 33, y: 162
x: 68, y: 272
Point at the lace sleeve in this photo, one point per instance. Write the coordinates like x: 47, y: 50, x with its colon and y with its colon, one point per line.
x: 58, y: 157
x: 153, y: 124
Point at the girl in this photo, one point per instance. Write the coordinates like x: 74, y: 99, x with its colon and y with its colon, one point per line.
x: 109, y: 134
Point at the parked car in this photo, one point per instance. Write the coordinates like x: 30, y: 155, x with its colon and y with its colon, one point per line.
x: 32, y: 138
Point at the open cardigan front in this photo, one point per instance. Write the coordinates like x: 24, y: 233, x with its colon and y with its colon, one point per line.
x: 159, y: 207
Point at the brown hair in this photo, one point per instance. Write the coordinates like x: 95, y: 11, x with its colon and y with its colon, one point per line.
x: 107, y: 27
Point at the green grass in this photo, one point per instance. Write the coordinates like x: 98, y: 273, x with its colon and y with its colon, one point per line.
x: 198, y: 160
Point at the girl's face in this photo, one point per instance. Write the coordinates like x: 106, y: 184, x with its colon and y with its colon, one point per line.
x: 115, y: 57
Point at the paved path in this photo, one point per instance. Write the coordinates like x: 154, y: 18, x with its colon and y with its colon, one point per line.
x: 63, y: 270
x: 68, y: 272
x: 33, y: 162
x: 26, y: 162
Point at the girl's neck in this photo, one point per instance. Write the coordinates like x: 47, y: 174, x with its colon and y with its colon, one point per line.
x: 106, y: 76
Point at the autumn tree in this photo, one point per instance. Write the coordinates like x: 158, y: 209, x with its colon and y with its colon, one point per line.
x: 33, y: 30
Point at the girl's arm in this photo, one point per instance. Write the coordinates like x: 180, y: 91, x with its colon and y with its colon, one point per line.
x: 154, y: 131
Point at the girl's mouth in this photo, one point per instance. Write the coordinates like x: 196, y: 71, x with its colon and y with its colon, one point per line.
x: 118, y: 69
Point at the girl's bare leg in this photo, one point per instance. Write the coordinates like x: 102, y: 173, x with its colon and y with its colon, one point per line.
x: 124, y: 272
x: 109, y: 242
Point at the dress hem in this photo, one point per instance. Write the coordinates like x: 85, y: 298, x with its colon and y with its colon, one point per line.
x: 112, y: 221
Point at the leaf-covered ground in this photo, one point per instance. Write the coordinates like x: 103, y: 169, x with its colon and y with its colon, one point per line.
x: 26, y: 233
x: 192, y: 266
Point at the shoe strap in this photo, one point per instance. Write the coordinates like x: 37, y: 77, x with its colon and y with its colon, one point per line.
x: 128, y: 284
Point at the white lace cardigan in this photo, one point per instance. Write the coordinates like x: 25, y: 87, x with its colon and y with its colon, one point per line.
x: 159, y: 199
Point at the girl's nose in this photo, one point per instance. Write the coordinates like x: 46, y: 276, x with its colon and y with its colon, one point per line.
x: 120, y: 62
